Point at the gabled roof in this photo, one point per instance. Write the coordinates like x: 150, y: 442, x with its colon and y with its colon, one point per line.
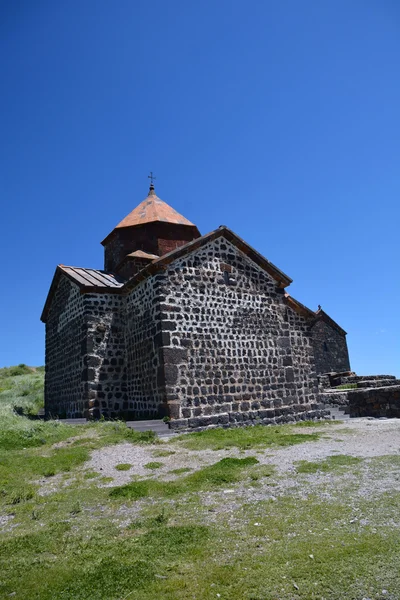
x: 282, y: 279
x: 88, y: 280
x: 322, y: 316
x: 95, y: 281
x: 152, y: 209
x: 93, y: 277
x: 302, y: 309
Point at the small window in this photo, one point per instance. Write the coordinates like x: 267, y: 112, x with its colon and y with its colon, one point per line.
x: 325, y: 347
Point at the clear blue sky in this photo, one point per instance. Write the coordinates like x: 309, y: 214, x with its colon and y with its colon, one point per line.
x: 279, y: 119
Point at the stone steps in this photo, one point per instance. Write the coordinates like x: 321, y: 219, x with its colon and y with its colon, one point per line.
x: 365, y: 383
x: 338, y: 414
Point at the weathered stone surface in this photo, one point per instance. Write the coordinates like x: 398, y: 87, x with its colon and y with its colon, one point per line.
x: 375, y: 402
x: 377, y: 383
x: 235, y: 346
x: 334, y: 398
x: 330, y: 349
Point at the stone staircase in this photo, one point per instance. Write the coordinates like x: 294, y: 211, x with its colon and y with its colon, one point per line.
x: 338, y: 413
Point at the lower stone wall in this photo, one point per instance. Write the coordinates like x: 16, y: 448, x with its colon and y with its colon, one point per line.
x: 286, y: 414
x: 340, y: 379
x: 375, y: 402
x: 334, y: 398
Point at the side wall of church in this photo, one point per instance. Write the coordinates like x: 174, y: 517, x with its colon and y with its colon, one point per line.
x: 330, y: 349
x: 234, y: 351
x: 144, y: 339
x: 104, y: 361
x: 65, y: 348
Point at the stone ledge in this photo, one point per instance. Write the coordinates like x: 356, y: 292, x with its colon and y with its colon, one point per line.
x: 375, y: 402
x: 375, y: 383
x: 245, y: 419
x: 335, y: 397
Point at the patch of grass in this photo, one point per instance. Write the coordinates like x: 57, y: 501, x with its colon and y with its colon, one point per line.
x: 160, y: 453
x: 180, y: 471
x: 346, y: 386
x: 106, y: 479
x: 123, y: 467
x: 125, y: 566
x: 91, y: 475
x: 304, y: 549
x: 225, y: 471
x: 244, y: 438
x: 21, y: 495
x: 21, y: 390
x: 153, y: 465
x: 262, y: 471
x: 313, y: 424
x: 332, y: 463
x: 18, y: 466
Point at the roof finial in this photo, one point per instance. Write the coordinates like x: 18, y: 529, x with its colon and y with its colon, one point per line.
x: 151, y: 177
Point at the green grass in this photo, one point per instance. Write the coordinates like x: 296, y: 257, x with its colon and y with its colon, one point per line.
x: 21, y: 390
x: 245, y: 437
x: 330, y: 464
x: 224, y: 472
x: 346, y: 386
x: 180, y: 471
x: 161, y: 453
x: 255, y: 551
x: 191, y: 537
x: 123, y: 466
x: 153, y: 465
x: 314, y: 424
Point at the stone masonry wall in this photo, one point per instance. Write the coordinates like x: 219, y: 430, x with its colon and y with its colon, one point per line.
x: 65, y: 393
x: 233, y: 352
x: 104, y: 361
x: 330, y: 349
x: 146, y: 385
x: 375, y: 402
x: 85, y: 354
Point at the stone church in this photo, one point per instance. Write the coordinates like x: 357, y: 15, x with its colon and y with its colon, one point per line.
x: 199, y: 328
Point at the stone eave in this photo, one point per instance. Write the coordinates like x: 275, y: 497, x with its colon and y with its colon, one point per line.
x: 299, y: 307
x: 162, y: 263
x: 321, y: 315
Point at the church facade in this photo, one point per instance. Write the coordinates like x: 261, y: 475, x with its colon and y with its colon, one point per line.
x: 197, y: 328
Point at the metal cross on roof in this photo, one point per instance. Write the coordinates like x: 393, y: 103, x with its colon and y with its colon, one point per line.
x: 151, y: 177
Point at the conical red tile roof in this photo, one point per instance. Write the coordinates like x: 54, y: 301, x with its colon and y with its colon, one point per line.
x: 153, y: 209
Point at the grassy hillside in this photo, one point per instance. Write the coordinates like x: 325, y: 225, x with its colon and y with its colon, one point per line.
x: 21, y: 390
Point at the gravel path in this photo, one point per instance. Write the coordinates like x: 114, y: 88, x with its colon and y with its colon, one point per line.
x: 362, y: 438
